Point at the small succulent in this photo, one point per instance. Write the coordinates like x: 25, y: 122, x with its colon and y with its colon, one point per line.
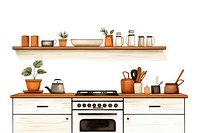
x: 63, y: 34
x: 105, y: 31
x: 36, y: 64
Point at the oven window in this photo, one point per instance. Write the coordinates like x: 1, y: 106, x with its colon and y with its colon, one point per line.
x: 98, y: 125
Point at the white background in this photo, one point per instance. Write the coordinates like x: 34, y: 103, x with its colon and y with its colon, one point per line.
x: 174, y: 23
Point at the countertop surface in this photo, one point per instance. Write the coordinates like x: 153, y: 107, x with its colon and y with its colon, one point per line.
x: 72, y: 95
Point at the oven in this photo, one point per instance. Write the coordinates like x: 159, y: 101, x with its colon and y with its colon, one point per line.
x: 97, y: 115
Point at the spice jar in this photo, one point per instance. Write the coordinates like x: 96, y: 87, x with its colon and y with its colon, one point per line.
x: 146, y: 90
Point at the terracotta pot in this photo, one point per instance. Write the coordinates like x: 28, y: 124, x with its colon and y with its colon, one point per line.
x: 62, y: 42
x: 109, y: 41
x: 33, y: 85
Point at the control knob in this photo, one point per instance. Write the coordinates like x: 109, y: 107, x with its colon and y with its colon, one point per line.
x: 79, y: 105
x: 115, y: 105
x: 109, y: 105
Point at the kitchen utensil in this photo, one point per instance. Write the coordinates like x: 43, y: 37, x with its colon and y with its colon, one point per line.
x: 138, y: 88
x: 139, y: 70
x: 86, y: 42
x: 130, y: 39
x: 56, y: 87
x: 142, y: 76
x: 48, y: 43
x: 127, y: 84
x: 119, y: 40
x: 155, y: 89
x: 179, y: 75
x: 172, y: 88
x: 160, y: 83
x: 150, y: 41
x: 134, y: 74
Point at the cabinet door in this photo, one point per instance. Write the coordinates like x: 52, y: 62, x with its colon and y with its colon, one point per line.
x: 42, y: 124
x: 154, y: 124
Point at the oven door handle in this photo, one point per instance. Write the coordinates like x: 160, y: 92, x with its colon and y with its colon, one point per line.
x: 97, y: 113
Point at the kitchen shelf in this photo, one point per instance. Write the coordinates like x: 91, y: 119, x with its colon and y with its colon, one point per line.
x: 91, y: 48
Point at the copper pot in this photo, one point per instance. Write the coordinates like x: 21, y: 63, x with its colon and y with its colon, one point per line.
x: 127, y: 84
x: 172, y: 88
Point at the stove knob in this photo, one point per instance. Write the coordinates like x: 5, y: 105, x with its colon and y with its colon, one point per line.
x: 89, y: 105
x: 110, y: 105
x: 104, y: 105
x: 115, y: 105
x: 84, y: 105
x: 79, y: 105
x: 94, y: 105
x: 99, y: 105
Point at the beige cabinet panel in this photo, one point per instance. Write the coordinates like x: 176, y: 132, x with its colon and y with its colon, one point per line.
x: 42, y: 124
x: 154, y: 124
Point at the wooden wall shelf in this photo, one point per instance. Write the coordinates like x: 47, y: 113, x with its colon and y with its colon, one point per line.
x: 90, y: 48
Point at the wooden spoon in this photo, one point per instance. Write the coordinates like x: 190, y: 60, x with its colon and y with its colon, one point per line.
x: 179, y: 75
x: 139, y: 70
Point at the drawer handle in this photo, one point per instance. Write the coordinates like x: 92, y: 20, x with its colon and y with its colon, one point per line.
x: 154, y: 106
x: 42, y: 106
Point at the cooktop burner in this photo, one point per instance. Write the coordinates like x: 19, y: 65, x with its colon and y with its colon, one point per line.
x: 96, y: 93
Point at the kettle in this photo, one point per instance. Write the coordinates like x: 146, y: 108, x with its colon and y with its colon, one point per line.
x: 127, y: 84
x: 56, y: 87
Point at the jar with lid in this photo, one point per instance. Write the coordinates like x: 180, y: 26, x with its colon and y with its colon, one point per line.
x: 119, y: 40
x: 130, y: 39
x: 140, y: 40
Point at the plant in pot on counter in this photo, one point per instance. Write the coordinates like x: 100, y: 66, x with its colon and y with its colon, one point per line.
x: 63, y: 40
x: 108, y: 37
x: 33, y: 84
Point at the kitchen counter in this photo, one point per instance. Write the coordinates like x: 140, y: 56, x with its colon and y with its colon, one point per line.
x: 72, y: 95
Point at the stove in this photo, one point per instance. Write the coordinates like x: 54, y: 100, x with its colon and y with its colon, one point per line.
x: 97, y: 114
x: 96, y: 93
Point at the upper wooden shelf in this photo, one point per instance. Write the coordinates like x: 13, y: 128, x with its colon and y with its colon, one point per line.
x: 91, y: 48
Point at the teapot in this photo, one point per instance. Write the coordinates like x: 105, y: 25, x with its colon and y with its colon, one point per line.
x: 56, y: 87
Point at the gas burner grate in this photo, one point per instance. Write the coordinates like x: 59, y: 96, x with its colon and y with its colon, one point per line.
x: 96, y: 93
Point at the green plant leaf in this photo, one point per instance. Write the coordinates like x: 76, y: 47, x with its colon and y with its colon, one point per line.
x: 112, y: 31
x: 37, y: 63
x: 41, y: 71
x: 27, y: 71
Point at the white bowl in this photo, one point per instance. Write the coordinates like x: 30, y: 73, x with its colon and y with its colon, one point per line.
x: 87, y: 42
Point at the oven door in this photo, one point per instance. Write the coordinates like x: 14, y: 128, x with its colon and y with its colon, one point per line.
x: 97, y: 121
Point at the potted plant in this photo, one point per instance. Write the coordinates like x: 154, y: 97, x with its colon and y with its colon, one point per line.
x: 33, y: 84
x: 108, y: 37
x: 63, y: 40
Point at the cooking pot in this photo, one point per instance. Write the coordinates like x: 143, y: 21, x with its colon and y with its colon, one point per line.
x: 56, y: 87
x: 127, y: 84
x: 172, y: 88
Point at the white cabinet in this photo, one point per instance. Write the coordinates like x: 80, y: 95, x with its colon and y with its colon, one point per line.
x: 154, y: 124
x: 154, y: 115
x: 42, y: 123
x: 42, y: 115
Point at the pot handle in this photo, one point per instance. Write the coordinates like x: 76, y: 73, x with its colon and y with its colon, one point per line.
x: 181, y: 81
x: 124, y: 74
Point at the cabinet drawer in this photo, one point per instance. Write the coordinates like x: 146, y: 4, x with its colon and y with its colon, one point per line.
x: 153, y: 106
x: 41, y: 106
